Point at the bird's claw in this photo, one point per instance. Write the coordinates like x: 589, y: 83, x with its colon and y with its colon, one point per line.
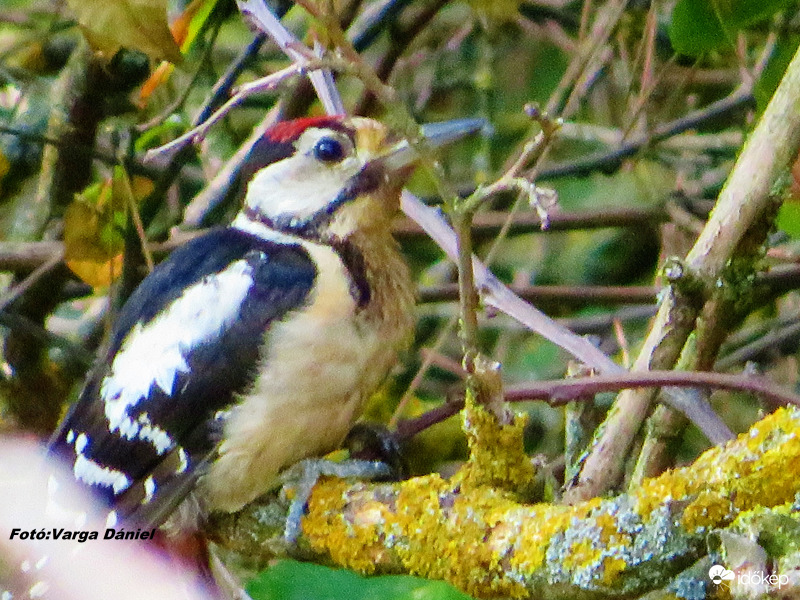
x: 299, y: 481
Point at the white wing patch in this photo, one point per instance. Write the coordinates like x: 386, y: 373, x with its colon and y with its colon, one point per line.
x: 149, y: 489
x: 184, y: 464
x: 154, y: 354
x: 91, y: 473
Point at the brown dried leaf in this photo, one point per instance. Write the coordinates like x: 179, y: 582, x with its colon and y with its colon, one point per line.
x: 137, y: 24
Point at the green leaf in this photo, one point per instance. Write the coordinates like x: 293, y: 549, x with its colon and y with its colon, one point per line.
x: 191, y: 22
x: 739, y: 14
x: 695, y: 28
x: 292, y: 580
x: 789, y: 218
x: 785, y: 49
x: 700, y: 26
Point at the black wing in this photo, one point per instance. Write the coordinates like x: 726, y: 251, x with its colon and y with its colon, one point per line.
x: 186, y: 342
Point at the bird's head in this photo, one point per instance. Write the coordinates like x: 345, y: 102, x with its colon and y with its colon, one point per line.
x: 327, y: 177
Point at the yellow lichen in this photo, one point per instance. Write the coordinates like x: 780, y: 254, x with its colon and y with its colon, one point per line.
x: 326, y: 525
x: 608, y: 527
x: 709, y: 509
x: 745, y: 472
x: 613, y: 566
x: 537, y: 529
x: 581, y: 554
x: 480, y: 540
x: 497, y: 455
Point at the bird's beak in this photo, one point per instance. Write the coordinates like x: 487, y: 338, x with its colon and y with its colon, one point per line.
x: 434, y: 135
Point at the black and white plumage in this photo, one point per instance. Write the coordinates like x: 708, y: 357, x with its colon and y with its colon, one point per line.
x: 186, y: 342
x: 253, y: 346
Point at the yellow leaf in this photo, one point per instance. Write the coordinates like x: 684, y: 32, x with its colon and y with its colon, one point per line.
x: 93, y: 228
x: 137, y: 24
x: 141, y: 187
x: 97, y: 274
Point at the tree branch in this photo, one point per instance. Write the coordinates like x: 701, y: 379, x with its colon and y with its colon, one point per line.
x: 490, y: 546
x: 755, y: 184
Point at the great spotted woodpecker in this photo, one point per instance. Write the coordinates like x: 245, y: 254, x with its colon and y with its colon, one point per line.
x: 255, y: 345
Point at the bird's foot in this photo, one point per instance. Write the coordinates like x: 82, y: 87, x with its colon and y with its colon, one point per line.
x: 299, y: 480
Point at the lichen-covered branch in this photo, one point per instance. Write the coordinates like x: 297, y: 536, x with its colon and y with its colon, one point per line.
x: 484, y: 541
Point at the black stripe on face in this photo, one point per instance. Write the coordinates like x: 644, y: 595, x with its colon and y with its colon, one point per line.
x: 351, y: 256
x: 357, y: 270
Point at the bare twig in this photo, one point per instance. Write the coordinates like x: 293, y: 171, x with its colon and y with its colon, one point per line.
x: 22, y: 257
x: 25, y: 256
x: 198, y: 133
x: 15, y: 292
x: 137, y: 220
x: 496, y: 294
x: 606, y: 159
x: 562, y: 294
x: 599, y: 323
x: 558, y: 392
x: 772, y: 340
x: 225, y: 83
x: 262, y: 17
x: 604, y: 25
x: 21, y: 324
x: 218, y: 187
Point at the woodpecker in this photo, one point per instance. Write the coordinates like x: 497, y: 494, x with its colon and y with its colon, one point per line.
x: 255, y: 345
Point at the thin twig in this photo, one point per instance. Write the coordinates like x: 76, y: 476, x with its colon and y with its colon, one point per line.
x: 606, y: 159
x: 467, y: 296
x: 25, y: 256
x: 599, y: 323
x: 558, y: 392
x: 400, y: 41
x: 23, y: 286
x: 17, y: 322
x: 217, y: 188
x: 187, y: 90
x: 496, y: 294
x: 605, y: 23
x: 560, y: 294
x: 262, y: 17
x: 773, y: 340
x: 137, y: 221
x: 109, y: 158
x: 375, y: 18
x: 427, y: 362
x: 226, y: 83
x: 198, y: 133
x: 561, y: 391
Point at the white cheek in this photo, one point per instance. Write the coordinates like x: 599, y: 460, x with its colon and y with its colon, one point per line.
x: 298, y: 187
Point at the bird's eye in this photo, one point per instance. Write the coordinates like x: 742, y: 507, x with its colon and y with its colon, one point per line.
x: 328, y: 150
